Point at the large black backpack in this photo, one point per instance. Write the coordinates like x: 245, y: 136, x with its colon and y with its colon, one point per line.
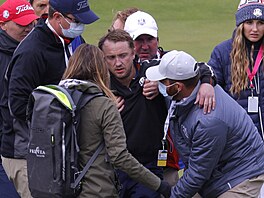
x: 52, y: 160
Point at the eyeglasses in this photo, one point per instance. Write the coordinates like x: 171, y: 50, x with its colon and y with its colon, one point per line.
x: 73, y: 20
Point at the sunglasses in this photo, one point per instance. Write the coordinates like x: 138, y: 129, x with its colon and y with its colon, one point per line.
x: 73, y: 20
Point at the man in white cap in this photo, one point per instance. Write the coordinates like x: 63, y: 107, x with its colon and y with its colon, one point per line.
x: 143, y: 28
x: 223, y: 151
x: 40, y: 59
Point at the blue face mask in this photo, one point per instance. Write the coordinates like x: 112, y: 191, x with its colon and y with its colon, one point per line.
x: 76, y: 29
x: 163, y: 90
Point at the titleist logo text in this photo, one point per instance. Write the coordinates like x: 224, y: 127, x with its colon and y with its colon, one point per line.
x: 82, y: 4
x: 23, y: 8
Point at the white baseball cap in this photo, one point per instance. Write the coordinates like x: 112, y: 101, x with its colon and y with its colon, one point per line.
x: 140, y: 23
x: 174, y: 65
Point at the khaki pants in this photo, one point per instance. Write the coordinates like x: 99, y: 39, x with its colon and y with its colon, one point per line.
x: 16, y: 170
x: 249, y: 188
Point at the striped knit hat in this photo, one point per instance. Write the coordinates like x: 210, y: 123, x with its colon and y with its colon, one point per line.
x: 248, y: 10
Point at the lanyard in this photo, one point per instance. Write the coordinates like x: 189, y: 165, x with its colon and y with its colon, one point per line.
x: 167, y: 121
x: 256, y: 67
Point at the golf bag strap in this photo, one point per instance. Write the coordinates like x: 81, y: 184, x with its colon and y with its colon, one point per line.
x: 89, y: 163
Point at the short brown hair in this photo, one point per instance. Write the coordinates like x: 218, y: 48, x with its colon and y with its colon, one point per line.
x: 117, y: 36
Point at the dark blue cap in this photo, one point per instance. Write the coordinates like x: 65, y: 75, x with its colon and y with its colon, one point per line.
x: 80, y: 9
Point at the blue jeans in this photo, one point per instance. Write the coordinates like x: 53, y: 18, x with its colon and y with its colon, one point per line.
x: 7, y: 189
x: 133, y: 189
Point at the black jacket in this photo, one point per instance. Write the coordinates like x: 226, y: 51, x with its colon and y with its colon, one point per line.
x: 144, y: 119
x: 7, y: 48
x: 38, y: 60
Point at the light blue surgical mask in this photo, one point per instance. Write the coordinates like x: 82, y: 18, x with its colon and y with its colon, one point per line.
x: 163, y: 90
x: 76, y: 29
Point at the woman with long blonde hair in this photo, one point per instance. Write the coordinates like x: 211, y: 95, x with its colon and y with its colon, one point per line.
x: 100, y: 121
x: 238, y: 63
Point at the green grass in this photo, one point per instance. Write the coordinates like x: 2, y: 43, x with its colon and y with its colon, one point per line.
x: 189, y: 25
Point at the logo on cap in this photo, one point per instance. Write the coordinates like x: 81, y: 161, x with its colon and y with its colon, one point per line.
x: 82, y: 4
x: 23, y: 8
x: 141, y: 22
x: 6, y: 14
x: 257, y: 12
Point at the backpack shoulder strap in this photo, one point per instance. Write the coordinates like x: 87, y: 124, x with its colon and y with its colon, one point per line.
x: 87, y: 166
x: 88, y: 97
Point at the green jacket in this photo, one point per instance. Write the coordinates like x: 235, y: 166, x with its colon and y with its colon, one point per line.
x: 100, y: 120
